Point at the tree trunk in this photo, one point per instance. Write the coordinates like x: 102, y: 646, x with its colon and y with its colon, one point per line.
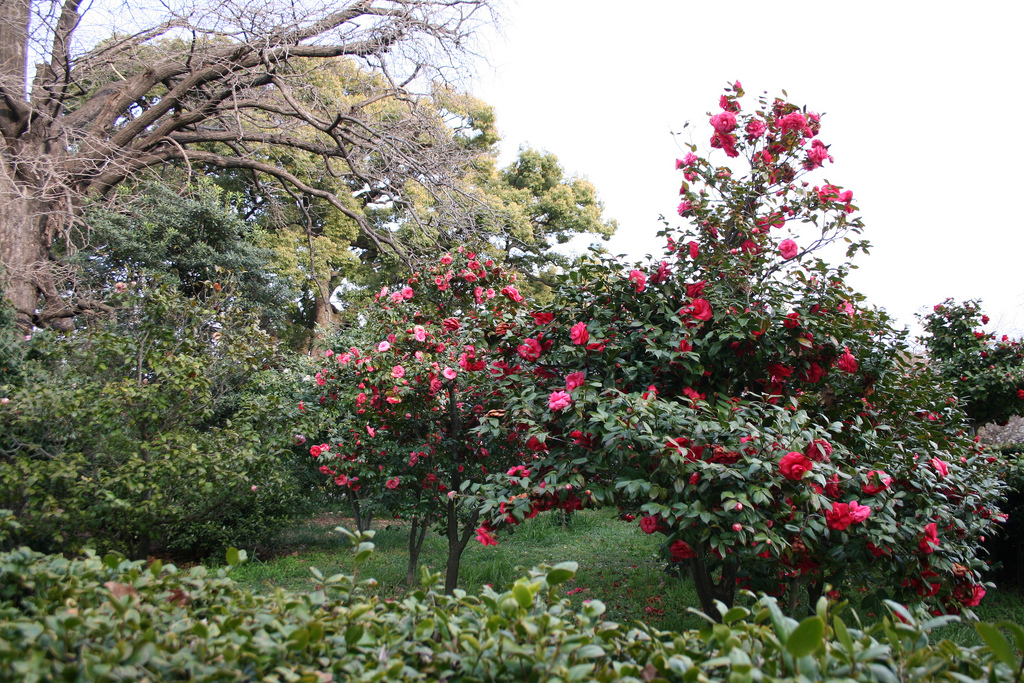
x: 20, y: 249
x: 708, y: 591
x: 456, y: 544
x: 416, y: 536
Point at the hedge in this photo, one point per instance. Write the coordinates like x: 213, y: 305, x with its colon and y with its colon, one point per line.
x: 109, y: 619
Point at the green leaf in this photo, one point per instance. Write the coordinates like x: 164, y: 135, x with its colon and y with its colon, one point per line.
x: 562, y: 572
x: 997, y: 642
x: 522, y: 595
x: 806, y: 638
x: 234, y: 558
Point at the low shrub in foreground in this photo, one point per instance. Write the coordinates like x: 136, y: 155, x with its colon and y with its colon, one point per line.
x: 107, y: 619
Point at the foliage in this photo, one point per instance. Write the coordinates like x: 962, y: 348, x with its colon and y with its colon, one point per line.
x: 145, y: 433
x: 404, y: 404
x: 987, y: 373
x: 195, y: 236
x: 738, y: 398
x: 109, y: 619
x: 12, y: 346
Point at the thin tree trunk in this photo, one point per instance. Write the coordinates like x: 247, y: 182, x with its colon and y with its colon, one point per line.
x: 456, y: 545
x: 416, y: 537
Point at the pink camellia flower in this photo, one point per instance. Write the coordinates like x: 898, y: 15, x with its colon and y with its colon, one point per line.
x: 940, y: 467
x: 701, y: 309
x: 398, y: 372
x: 650, y: 524
x: 818, y: 450
x: 817, y: 155
x: 788, y: 249
x: 737, y: 527
x: 446, y: 259
x: 795, y: 465
x: 298, y: 440
x: 795, y: 121
x: 407, y: 292
x: 847, y: 363
x: 858, y: 512
x: 419, y: 333
x: 371, y: 431
x: 684, y: 207
x: 449, y: 373
x: 383, y: 346
x: 120, y: 287
x: 689, y: 160
x: 724, y: 122
x: 579, y: 334
x: 512, y: 293
x: 574, y: 380
x: 930, y: 541
x: 755, y: 128
x: 392, y: 483
x: 838, y: 517
x: 559, y: 400
x: 530, y: 349
x: 883, y: 479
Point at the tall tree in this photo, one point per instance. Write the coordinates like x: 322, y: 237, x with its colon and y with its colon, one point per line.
x: 213, y: 86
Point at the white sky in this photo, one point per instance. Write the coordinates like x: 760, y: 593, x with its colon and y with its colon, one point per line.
x: 918, y: 98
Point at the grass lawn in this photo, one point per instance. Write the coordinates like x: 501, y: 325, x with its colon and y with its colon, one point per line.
x: 618, y: 564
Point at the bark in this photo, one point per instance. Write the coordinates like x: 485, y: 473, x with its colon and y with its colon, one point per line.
x: 416, y: 537
x: 156, y: 100
x: 456, y: 545
x: 709, y: 590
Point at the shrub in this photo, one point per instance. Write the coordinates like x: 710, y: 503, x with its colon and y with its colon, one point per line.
x: 105, y: 619
x: 144, y: 434
x: 737, y: 397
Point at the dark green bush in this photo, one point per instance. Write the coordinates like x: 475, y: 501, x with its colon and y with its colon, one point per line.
x: 150, y: 432
x: 107, y: 619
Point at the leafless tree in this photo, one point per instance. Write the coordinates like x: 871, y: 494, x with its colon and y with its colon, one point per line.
x: 212, y: 86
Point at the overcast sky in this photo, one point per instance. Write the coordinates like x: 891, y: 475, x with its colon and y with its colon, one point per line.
x: 919, y: 103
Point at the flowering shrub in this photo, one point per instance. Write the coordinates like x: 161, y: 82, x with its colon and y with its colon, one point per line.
x: 737, y: 397
x: 988, y: 373
x: 405, y: 403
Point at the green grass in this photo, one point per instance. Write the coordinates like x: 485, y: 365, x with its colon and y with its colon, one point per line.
x: 618, y: 564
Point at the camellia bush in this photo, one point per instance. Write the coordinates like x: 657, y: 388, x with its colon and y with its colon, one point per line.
x: 404, y: 406
x: 987, y: 373
x: 739, y: 398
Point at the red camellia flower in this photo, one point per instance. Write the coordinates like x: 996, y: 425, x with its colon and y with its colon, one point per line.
x: 579, y: 334
x: 794, y: 465
x: 483, y: 534
x: 696, y: 289
x: 638, y: 279
x: 858, y: 512
x: 971, y: 597
x: 512, y: 293
x: 813, y: 373
x: 788, y: 249
x: 661, y: 275
x: 681, y: 550
x: 847, y: 363
x: 883, y: 481
x: 930, y: 541
x: 779, y: 372
x: 574, y: 380
x: 701, y: 309
x: 685, y: 346
x: 650, y: 524
x: 315, y: 451
x: 795, y: 121
x: 530, y: 349
x: 542, y: 318
x: 559, y: 400
x: 450, y: 324
x: 838, y: 517
x: 694, y: 249
x: 1020, y: 394
x: 818, y: 450
x: 392, y: 483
